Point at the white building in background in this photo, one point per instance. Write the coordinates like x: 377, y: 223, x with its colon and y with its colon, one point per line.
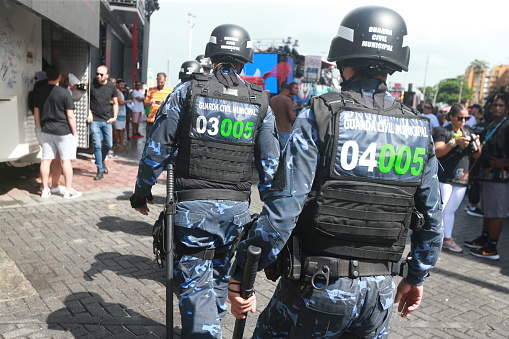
x: 75, y: 36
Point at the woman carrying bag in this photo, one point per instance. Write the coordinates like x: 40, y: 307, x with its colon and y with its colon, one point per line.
x: 454, y: 145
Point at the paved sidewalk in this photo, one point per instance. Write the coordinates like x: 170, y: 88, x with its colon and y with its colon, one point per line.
x: 84, y: 268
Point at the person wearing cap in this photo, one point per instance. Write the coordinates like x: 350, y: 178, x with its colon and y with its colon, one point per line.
x: 212, y: 128
x: 54, y: 117
x: 358, y: 174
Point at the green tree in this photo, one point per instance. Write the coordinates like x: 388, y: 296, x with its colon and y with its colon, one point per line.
x: 449, y: 91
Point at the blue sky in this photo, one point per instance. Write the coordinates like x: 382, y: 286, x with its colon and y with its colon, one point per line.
x: 445, y: 36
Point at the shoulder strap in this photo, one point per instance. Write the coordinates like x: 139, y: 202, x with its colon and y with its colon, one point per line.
x: 324, y: 108
x: 408, y: 110
x: 201, y: 83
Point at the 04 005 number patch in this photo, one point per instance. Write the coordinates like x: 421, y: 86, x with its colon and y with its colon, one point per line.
x: 402, y: 160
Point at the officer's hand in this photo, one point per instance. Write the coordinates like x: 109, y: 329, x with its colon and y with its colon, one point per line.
x: 409, y: 298
x: 140, y: 204
x: 240, y: 306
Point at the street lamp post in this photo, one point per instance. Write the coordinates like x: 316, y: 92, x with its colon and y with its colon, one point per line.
x: 190, y: 17
x: 461, y: 88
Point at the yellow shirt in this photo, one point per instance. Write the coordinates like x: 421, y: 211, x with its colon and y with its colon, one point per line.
x: 158, y: 96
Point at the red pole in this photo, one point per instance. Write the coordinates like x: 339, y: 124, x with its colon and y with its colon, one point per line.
x: 135, y: 54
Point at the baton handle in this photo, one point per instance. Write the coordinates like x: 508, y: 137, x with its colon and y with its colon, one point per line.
x: 247, y: 287
x: 170, y: 212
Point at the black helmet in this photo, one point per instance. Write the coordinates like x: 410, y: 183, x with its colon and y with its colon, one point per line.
x: 371, y: 36
x: 229, y: 43
x: 188, y: 68
x: 204, y: 62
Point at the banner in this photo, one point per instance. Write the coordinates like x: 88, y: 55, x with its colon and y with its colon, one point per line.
x: 312, y: 68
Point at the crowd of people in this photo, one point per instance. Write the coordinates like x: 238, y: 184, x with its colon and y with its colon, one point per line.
x: 472, y: 145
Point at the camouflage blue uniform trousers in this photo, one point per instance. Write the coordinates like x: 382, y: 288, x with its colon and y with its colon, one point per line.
x: 360, y: 306
x: 202, y: 284
x: 205, y: 224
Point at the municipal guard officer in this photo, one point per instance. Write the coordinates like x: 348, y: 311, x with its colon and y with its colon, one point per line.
x: 211, y: 128
x: 359, y: 171
x: 187, y: 69
x: 205, y: 63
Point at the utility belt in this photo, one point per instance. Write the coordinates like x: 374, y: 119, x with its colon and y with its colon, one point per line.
x: 318, y: 271
x: 212, y: 194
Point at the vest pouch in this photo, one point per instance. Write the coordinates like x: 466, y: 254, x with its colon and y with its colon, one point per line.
x: 220, y: 162
x: 367, y: 213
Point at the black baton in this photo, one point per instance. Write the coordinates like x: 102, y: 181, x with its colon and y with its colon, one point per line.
x: 246, y: 289
x: 170, y: 210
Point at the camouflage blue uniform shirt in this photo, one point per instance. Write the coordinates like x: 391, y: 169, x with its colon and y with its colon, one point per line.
x: 162, y: 144
x: 282, y: 208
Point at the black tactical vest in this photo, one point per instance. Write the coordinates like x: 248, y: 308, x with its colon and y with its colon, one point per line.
x: 362, y: 198
x: 217, y: 135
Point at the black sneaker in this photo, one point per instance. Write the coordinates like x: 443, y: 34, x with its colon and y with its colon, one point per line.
x: 476, y: 212
x: 99, y: 175
x: 105, y: 169
x: 485, y: 253
x: 477, y: 243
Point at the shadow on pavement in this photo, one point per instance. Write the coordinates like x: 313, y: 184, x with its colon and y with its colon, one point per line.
x: 115, y: 224
x: 21, y: 178
x: 157, y: 199
x: 86, y: 314
x: 131, y: 266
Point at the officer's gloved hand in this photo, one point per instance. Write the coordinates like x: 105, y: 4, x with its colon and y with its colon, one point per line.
x: 140, y: 203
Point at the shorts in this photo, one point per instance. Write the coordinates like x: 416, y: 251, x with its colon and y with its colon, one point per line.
x: 66, y: 145
x: 119, y: 125
x: 136, y: 119
x: 494, y: 199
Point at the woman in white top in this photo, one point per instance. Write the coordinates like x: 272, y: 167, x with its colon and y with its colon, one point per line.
x: 428, y: 113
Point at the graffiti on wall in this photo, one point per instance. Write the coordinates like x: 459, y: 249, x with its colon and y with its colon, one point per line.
x: 18, y: 53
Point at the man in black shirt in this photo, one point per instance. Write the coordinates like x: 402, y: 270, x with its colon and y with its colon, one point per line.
x: 54, y: 115
x: 103, y: 113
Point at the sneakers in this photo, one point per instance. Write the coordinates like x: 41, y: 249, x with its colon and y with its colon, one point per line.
x: 485, y: 253
x: 477, y: 243
x: 469, y: 208
x: 476, y: 212
x: 72, y: 194
x: 452, y: 246
x: 45, y: 193
x: 105, y: 169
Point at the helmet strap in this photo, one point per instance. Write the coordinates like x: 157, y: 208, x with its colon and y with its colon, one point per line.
x: 225, y: 74
x: 346, y: 83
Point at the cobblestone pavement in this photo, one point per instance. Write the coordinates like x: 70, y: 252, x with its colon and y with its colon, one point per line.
x: 83, y: 268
